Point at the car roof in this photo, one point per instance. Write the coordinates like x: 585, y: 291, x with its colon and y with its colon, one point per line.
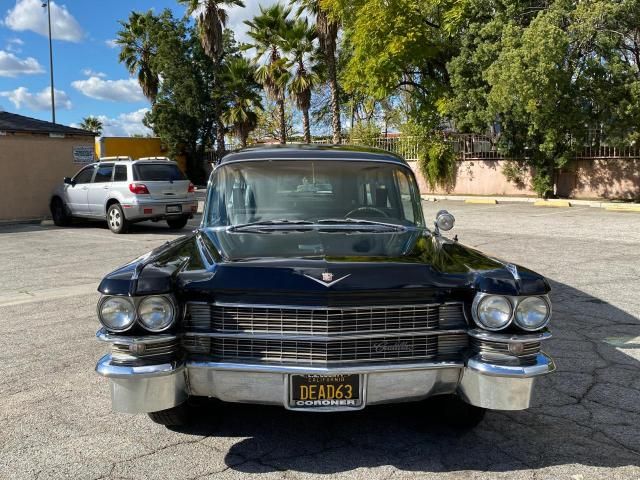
x: 315, y: 152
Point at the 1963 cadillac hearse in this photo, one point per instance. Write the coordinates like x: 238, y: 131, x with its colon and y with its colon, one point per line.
x: 314, y: 283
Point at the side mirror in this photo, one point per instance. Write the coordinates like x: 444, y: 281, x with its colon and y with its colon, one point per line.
x: 68, y: 181
x: 444, y: 221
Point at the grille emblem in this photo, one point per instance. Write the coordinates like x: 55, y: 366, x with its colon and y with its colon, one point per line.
x: 327, y: 279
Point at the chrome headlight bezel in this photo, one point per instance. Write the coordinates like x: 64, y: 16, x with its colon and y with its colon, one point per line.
x: 104, y: 299
x: 482, y: 297
x: 547, y: 319
x: 172, y: 313
x: 515, y: 302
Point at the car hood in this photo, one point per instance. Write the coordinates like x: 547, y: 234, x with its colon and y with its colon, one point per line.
x: 319, y: 266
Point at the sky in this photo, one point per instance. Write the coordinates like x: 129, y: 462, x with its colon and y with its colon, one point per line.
x: 88, y: 78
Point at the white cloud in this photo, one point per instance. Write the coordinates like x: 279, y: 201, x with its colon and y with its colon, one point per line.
x: 237, y: 16
x: 125, y: 124
x: 21, y: 97
x: 111, y: 43
x: 14, y: 45
x: 115, y: 90
x: 12, y: 66
x: 92, y: 73
x: 29, y: 15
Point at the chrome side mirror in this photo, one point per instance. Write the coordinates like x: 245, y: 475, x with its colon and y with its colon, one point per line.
x: 444, y: 221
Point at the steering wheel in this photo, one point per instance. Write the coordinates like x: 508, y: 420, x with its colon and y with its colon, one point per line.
x: 355, y: 211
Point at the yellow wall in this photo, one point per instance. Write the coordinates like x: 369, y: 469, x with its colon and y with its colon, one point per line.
x: 134, y: 147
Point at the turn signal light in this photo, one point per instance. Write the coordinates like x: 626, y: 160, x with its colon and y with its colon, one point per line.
x: 139, y: 188
x: 192, y: 188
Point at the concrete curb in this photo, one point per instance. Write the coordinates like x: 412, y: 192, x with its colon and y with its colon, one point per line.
x: 552, y: 203
x: 501, y: 200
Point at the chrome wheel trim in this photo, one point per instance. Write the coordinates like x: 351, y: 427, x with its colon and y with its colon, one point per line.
x: 115, y: 219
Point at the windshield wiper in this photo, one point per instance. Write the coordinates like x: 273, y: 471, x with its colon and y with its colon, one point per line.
x: 268, y: 223
x: 360, y: 221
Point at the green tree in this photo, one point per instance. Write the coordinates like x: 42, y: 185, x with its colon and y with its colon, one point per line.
x: 245, y: 101
x: 299, y: 44
x: 270, y: 124
x: 137, y: 50
x: 267, y: 31
x: 327, y: 28
x: 211, y: 20
x: 93, y: 124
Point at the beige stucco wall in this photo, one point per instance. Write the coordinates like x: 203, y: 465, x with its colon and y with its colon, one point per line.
x: 581, y: 179
x: 31, y: 167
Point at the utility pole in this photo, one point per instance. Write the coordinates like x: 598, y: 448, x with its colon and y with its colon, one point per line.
x: 47, y: 5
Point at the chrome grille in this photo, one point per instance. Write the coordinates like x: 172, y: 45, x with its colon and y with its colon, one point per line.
x: 452, y: 345
x: 388, y: 349
x: 499, y: 351
x: 323, y: 320
x: 157, y: 352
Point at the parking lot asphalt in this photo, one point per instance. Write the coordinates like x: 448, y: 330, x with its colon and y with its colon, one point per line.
x: 56, y: 422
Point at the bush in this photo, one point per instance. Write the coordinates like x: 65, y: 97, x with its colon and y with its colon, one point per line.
x: 364, y: 133
x: 437, y: 162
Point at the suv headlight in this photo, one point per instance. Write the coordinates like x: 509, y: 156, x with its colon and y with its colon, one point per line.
x: 156, y: 313
x: 533, y: 313
x: 493, y: 312
x: 117, y: 314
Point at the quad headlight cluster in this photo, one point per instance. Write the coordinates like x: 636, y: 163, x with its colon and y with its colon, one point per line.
x: 155, y: 313
x: 497, y: 312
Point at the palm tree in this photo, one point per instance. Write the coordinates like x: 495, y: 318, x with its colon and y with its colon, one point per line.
x: 137, y: 50
x: 327, y: 29
x: 267, y: 31
x: 212, y: 17
x: 93, y: 124
x: 244, y: 98
x: 299, y: 44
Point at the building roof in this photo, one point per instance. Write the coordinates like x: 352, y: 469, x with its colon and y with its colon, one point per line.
x: 14, y: 123
x: 315, y: 152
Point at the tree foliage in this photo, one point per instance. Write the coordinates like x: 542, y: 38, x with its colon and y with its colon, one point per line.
x: 547, y: 75
x: 93, y: 124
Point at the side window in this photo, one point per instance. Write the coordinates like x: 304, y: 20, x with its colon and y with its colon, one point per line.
x: 406, y: 197
x: 84, y: 176
x: 120, y: 174
x: 103, y: 174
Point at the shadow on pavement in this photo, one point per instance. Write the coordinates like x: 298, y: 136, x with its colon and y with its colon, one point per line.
x: 586, y: 413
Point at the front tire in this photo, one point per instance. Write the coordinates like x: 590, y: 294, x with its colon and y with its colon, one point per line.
x: 115, y: 219
x: 455, y: 412
x: 177, y: 223
x: 59, y: 213
x: 172, y: 417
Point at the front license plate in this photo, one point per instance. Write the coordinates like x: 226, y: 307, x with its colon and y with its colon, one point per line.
x: 324, y: 391
x: 174, y: 208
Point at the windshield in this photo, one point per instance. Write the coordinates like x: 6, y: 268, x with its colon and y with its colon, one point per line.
x: 309, y: 192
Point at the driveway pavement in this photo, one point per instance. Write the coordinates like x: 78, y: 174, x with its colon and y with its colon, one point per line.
x: 55, y: 418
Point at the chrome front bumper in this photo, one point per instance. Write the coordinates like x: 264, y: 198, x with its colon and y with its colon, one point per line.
x: 158, y: 387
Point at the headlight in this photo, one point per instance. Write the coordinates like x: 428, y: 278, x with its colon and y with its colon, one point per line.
x: 532, y: 313
x: 156, y: 313
x: 117, y: 314
x: 494, y: 312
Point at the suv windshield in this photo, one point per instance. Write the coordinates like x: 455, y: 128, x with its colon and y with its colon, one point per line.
x: 306, y: 191
x: 157, y: 172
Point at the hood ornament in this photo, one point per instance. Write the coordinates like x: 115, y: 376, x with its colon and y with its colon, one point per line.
x: 327, y: 279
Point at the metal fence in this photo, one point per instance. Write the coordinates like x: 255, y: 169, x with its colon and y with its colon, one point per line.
x: 471, y: 147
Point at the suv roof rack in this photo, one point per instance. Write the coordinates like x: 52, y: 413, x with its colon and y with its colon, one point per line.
x: 114, y: 159
x: 164, y: 159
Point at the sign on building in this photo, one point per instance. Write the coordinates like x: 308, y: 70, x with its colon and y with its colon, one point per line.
x: 83, y: 154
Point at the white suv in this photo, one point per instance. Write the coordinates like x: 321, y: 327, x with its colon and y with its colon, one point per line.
x: 125, y: 191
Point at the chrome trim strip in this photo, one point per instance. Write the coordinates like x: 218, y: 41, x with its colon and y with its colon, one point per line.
x: 107, y: 369
x: 302, y: 157
x: 261, y: 367
x: 507, y: 337
x: 544, y: 364
x: 307, y: 307
x: 104, y: 336
x: 323, y: 338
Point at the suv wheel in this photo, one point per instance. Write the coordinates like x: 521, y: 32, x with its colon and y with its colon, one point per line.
x: 115, y: 219
x: 59, y: 213
x: 173, y: 417
x: 177, y: 223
